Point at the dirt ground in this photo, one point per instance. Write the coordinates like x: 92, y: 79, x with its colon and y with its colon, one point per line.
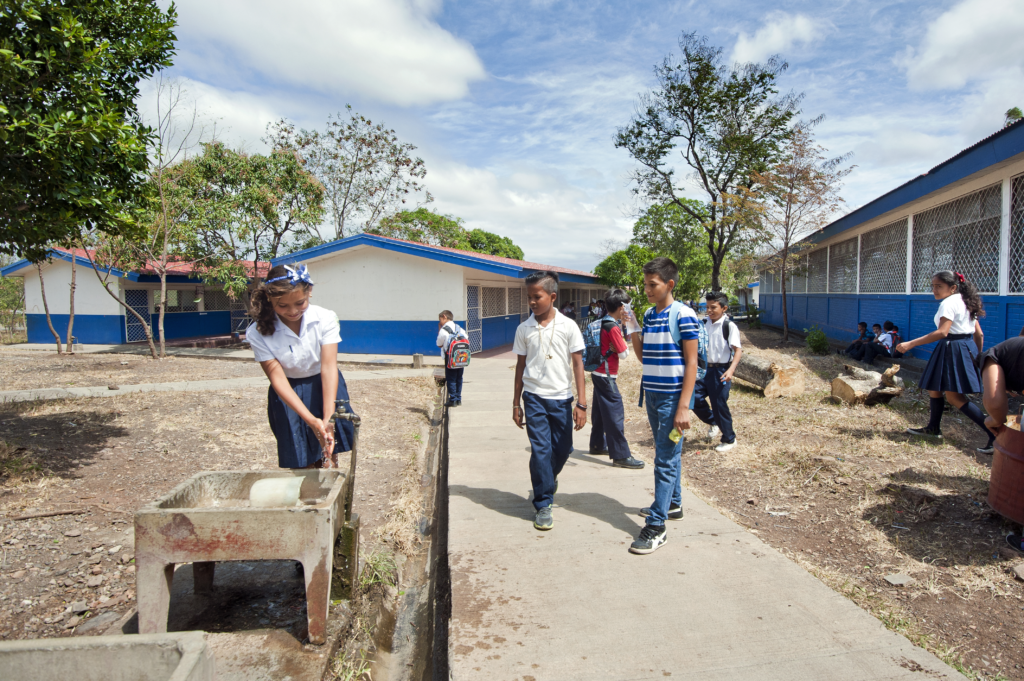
x: 34, y: 369
x: 108, y: 457
x: 852, y: 498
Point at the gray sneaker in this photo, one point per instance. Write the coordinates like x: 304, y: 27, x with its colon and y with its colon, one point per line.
x: 543, y: 519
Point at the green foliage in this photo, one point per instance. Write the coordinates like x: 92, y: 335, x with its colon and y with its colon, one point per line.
x: 1012, y: 115
x: 492, y: 244
x: 754, y: 317
x: 379, y: 568
x: 625, y: 269
x: 425, y: 227
x: 72, y: 145
x: 668, y: 230
x: 12, y: 307
x: 817, y: 342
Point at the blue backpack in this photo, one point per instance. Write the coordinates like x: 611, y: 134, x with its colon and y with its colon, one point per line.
x: 592, y: 357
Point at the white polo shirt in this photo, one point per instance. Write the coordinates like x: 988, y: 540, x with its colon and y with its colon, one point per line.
x: 718, y: 349
x: 548, y: 350
x: 953, y: 308
x: 299, y: 354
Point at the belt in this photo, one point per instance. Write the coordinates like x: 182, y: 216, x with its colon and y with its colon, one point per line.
x: 958, y: 336
x: 718, y: 365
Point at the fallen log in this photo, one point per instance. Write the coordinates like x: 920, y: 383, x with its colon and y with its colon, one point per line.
x: 774, y: 379
x: 869, y: 388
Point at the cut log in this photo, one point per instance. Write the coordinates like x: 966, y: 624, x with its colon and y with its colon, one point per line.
x: 888, y: 378
x: 774, y: 379
x: 866, y: 387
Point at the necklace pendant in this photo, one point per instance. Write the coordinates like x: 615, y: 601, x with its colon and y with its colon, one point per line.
x: 549, y: 357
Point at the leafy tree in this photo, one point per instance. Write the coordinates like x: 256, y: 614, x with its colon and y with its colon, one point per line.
x: 425, y: 227
x: 1012, y: 115
x: 669, y: 231
x: 493, y: 244
x: 72, y: 145
x: 12, y: 303
x: 624, y: 269
x: 726, y: 124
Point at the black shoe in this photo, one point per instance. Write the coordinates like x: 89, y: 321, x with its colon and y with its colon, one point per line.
x: 925, y: 432
x: 629, y: 462
x: 988, y: 449
x: 458, y: 403
x: 450, y: 403
x: 543, y: 519
x: 602, y: 452
x: 650, y: 539
x: 674, y: 512
x: 1016, y: 542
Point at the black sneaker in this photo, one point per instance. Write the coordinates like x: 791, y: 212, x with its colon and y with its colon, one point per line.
x: 602, y: 452
x: 450, y: 403
x: 458, y: 403
x: 629, y: 462
x: 650, y: 539
x: 1016, y: 542
x: 925, y: 432
x: 988, y: 449
x: 543, y: 519
x: 674, y: 512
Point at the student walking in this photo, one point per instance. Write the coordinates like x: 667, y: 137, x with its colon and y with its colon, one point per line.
x: 668, y: 349
x: 724, y: 354
x: 446, y: 328
x: 607, y: 425
x: 297, y: 345
x: 550, y: 359
x: 951, y: 370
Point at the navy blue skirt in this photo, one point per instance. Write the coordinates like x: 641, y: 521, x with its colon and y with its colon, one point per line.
x: 951, y: 367
x: 297, y: 445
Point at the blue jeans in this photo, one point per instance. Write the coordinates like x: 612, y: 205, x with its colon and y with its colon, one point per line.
x: 668, y: 488
x: 718, y: 413
x: 549, y: 427
x: 453, y: 377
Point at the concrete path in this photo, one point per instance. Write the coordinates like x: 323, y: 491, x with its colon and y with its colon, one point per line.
x: 187, y: 386
x: 714, y: 603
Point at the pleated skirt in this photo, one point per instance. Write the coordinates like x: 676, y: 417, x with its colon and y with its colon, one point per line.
x: 951, y: 367
x: 297, y: 445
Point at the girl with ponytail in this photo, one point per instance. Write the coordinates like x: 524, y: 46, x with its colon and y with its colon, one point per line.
x: 951, y: 370
x: 297, y: 345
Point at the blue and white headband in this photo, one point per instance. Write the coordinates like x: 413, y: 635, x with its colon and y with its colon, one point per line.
x: 294, y: 276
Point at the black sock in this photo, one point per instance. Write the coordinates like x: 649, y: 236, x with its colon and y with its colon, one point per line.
x: 971, y: 411
x: 935, y: 405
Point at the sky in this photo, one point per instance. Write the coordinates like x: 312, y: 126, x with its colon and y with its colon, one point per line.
x: 514, y: 105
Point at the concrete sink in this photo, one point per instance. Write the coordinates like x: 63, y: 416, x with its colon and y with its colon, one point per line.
x: 207, y: 519
x: 158, y: 657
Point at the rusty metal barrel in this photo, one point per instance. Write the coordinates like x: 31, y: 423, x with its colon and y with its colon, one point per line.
x: 1006, y: 484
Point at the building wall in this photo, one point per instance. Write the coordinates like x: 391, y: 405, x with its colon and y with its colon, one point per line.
x: 97, y: 316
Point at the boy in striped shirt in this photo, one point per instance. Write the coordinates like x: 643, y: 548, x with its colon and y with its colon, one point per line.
x: 669, y: 375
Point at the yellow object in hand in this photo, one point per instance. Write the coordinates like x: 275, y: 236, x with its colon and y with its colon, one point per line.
x: 675, y: 435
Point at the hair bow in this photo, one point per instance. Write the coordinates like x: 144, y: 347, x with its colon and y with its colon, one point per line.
x: 959, y: 276
x: 295, y: 276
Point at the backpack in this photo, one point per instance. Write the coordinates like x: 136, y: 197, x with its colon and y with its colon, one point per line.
x: 456, y: 351
x: 702, y: 338
x: 726, y: 331
x: 592, y: 357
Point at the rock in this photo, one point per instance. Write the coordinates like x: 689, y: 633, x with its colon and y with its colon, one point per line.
x: 97, y: 570
x: 73, y: 622
x: 113, y: 387
x: 114, y: 549
x: 78, y: 607
x: 899, y: 580
x: 18, y: 574
x: 73, y: 533
x: 752, y: 501
x: 126, y: 557
x: 69, y: 582
x: 99, y: 623
x: 130, y: 570
x: 1018, y: 571
x: 94, y: 582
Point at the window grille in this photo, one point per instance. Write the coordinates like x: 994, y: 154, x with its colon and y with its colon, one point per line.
x: 474, y: 327
x: 763, y: 281
x: 842, y: 267
x: 883, y: 259
x: 817, y: 271
x: 962, y: 236
x: 494, y: 302
x: 513, y: 301
x: 525, y: 308
x: 216, y: 299
x: 1017, y: 235
x: 240, y: 319
x: 178, y: 300
x: 138, y: 300
x: 798, y: 283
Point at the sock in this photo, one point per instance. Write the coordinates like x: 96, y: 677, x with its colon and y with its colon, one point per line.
x: 975, y: 414
x: 935, y: 405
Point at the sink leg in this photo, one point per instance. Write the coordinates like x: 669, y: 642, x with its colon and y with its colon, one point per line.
x: 316, y: 569
x: 344, y: 580
x: 202, y: 577
x: 153, y: 595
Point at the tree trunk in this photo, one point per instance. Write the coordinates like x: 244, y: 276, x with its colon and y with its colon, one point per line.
x: 145, y: 326
x: 785, y: 309
x: 773, y: 379
x: 716, y: 272
x: 71, y: 317
x: 46, y: 309
x: 163, y: 308
x: 867, y: 387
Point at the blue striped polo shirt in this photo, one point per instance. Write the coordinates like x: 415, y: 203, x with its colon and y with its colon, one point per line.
x: 663, y: 359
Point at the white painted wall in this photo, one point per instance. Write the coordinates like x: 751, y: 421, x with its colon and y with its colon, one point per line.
x: 90, y: 298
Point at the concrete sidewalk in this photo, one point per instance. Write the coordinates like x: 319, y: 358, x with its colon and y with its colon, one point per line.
x: 714, y: 603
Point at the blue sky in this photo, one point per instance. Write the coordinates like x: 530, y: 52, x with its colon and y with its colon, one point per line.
x: 514, y: 105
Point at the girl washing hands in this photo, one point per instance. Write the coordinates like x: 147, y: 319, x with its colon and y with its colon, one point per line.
x: 297, y: 345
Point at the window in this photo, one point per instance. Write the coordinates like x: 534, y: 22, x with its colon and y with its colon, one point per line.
x: 883, y: 259
x: 216, y: 299
x: 514, y: 300
x: 494, y: 302
x: 798, y: 282
x: 1017, y: 235
x: 178, y: 300
x: 817, y: 271
x: 842, y: 267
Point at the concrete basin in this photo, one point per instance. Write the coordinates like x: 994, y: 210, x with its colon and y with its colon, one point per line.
x: 207, y: 519
x: 157, y: 657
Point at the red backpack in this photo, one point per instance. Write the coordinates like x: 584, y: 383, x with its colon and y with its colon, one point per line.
x: 456, y: 351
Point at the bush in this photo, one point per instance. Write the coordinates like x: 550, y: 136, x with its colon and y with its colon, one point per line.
x: 754, y: 317
x: 816, y: 341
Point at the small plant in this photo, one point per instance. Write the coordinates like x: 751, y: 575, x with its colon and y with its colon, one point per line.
x: 754, y: 317
x: 380, y: 568
x: 817, y: 342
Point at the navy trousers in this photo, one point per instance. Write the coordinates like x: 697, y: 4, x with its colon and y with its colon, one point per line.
x: 872, y: 351
x: 711, y: 388
x: 608, y: 421
x: 549, y: 427
x: 453, y: 377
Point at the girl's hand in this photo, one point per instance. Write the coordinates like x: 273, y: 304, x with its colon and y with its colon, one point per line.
x: 903, y: 347
x: 323, y: 434
x: 329, y: 453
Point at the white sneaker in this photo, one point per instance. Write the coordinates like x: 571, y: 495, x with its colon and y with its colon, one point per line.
x: 714, y: 432
x: 725, y: 446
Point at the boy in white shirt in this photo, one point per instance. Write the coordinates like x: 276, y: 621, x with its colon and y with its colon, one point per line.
x: 882, y: 347
x: 723, y: 356
x: 446, y: 328
x: 550, y: 349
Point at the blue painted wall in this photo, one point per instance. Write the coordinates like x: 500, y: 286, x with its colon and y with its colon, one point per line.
x: 190, y: 324
x: 89, y: 328
x: 498, y: 331
x: 837, y: 314
x: 367, y: 337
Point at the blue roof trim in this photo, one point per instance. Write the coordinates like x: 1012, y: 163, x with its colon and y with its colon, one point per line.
x: 66, y: 257
x: 996, y: 148
x: 422, y: 251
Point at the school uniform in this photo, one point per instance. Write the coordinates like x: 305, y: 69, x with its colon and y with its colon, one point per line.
x: 951, y: 366
x: 1010, y: 356
x: 607, y: 424
x: 720, y: 353
x: 881, y: 348
x: 299, y: 357
x: 858, y: 344
x: 452, y: 377
x: 548, y: 398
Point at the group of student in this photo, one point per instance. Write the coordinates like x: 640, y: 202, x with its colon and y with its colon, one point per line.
x: 880, y: 342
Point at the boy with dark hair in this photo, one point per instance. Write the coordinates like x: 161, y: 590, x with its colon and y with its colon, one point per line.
x: 669, y: 375
x: 896, y: 340
x: 550, y: 349
x: 724, y: 354
x: 882, y: 347
x: 863, y: 338
x: 858, y: 352
x: 446, y: 328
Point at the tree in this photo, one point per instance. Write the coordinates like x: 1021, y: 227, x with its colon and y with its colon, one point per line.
x: 799, y: 195
x: 72, y: 145
x: 112, y: 253
x: 493, y: 244
x: 669, y: 231
x: 46, y: 308
x: 625, y: 269
x: 12, y: 302
x: 425, y: 227
x: 1012, y: 116
x: 726, y: 124
x: 367, y: 173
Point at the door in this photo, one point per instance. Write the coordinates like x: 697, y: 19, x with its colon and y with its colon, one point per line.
x: 138, y: 300
x: 473, y: 326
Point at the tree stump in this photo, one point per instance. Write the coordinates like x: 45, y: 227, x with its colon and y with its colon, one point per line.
x: 858, y: 386
x: 774, y: 379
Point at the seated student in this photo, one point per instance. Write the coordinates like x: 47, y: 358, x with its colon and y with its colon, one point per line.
x: 881, y: 347
x: 861, y: 339
x: 896, y: 340
x: 858, y: 352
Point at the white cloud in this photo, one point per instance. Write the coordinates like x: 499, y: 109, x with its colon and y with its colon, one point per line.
x: 781, y: 33
x: 390, y: 50
x: 967, y: 43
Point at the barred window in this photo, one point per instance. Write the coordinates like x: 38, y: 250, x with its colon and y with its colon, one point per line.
x: 1017, y: 235
x: 494, y: 302
x: 513, y: 301
x: 817, y: 271
x: 178, y: 300
x: 763, y: 281
x: 798, y: 282
x: 216, y: 299
x: 962, y: 236
x: 842, y: 267
x: 883, y: 259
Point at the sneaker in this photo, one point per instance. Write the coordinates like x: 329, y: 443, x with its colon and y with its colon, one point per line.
x: 450, y: 403
x: 988, y: 449
x: 650, y: 539
x: 458, y: 403
x: 628, y: 462
x: 1015, y: 541
x: 674, y: 512
x: 714, y: 432
x: 596, y: 452
x: 725, y: 446
x: 543, y: 519
x: 925, y: 432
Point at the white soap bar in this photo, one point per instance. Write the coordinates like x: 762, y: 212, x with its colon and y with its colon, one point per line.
x: 275, y: 492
